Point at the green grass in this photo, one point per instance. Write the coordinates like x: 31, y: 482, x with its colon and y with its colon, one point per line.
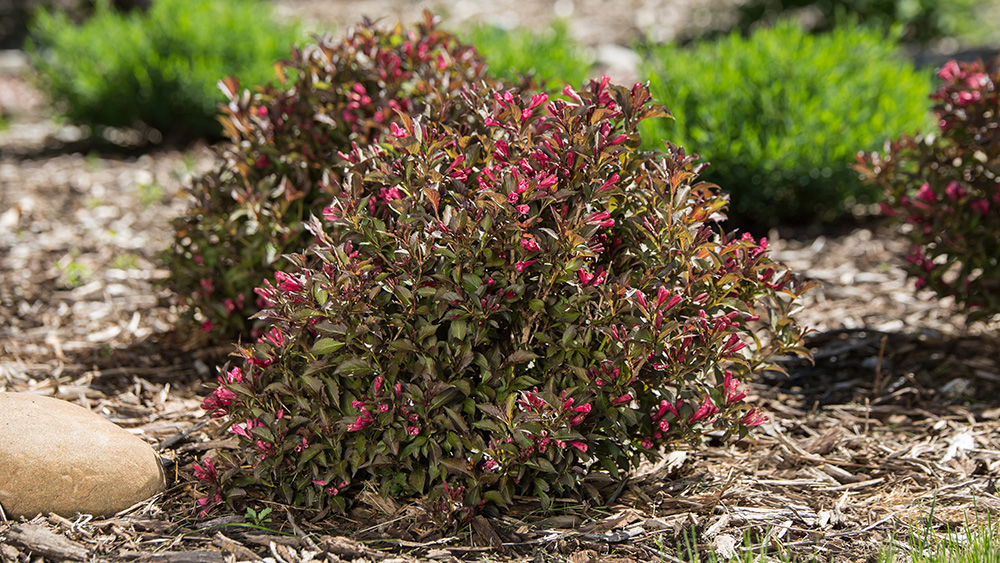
x: 978, y: 542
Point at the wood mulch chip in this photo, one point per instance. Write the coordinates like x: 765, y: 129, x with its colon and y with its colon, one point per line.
x: 896, y: 423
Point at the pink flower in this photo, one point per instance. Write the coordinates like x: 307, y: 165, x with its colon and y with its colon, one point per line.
x: 207, y: 326
x: 753, y: 418
x: 275, y: 336
x: 389, y: 194
x: 512, y: 197
x: 647, y: 444
x: 234, y: 375
x: 530, y: 245
x: 731, y: 386
x: 949, y: 71
x: 412, y: 430
x: 579, y: 445
x: 520, y: 266
x: 601, y: 219
x: 537, y: 100
x: 522, y: 209
x: 397, y: 131
x: 206, y: 472
x: 548, y: 181
x: 955, y: 191
x: 262, y: 161
x: 585, y: 277
x: 622, y: 400
x: 707, y: 409
x: 287, y: 282
x: 245, y: 428
x: 361, y: 422
x: 925, y: 193
x: 966, y: 97
x: 980, y: 206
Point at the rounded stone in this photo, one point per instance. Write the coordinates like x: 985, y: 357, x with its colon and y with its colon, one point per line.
x: 59, y: 457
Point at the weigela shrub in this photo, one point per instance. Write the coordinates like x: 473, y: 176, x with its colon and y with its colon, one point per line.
x: 782, y: 114
x: 155, y: 69
x: 285, y: 154
x: 944, y: 189
x: 524, y: 305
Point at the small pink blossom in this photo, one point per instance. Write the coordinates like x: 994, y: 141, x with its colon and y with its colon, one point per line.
x: 622, y: 400
x: 397, y: 131
x: 412, y: 430
x: 579, y: 445
x: 530, y: 245
x: 601, y: 219
x: 287, y: 282
x: 980, y: 206
x: 966, y: 97
x: 707, y: 409
x: 949, y: 71
x: 520, y: 266
x: 512, y: 197
x: 522, y: 209
x: 234, y: 375
x: 205, y: 472
x: 955, y: 191
x: 731, y: 387
x: 753, y: 418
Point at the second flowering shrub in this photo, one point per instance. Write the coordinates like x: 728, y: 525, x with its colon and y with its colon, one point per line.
x: 945, y: 189
x: 524, y: 303
x: 284, y: 154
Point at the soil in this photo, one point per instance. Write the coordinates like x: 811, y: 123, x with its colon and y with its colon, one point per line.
x: 894, y: 424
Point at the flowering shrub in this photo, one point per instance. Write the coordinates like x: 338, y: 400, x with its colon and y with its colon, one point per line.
x: 525, y: 303
x: 285, y: 155
x: 945, y: 188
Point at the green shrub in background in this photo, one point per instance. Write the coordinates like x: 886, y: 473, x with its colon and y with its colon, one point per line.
x: 157, y: 68
x: 551, y: 56
x: 780, y: 115
x: 922, y: 21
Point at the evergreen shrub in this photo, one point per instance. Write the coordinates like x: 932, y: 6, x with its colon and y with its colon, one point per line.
x: 157, y: 68
x: 780, y: 115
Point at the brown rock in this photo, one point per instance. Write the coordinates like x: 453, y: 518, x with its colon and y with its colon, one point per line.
x: 59, y: 457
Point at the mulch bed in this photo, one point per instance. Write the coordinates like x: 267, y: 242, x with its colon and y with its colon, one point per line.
x: 895, y: 424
